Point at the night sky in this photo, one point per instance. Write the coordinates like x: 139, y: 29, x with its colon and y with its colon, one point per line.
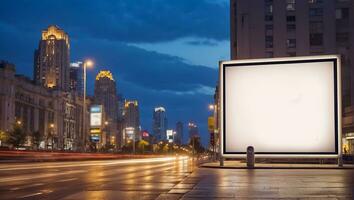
x: 161, y: 52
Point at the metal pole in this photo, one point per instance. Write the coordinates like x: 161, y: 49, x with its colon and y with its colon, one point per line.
x: 84, y: 111
x: 134, y: 143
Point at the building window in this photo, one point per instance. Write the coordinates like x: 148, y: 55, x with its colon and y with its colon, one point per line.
x: 315, y: 12
x: 291, y: 27
x: 342, y: 13
x: 316, y: 27
x: 269, y: 18
x: 290, y: 18
x: 342, y: 38
x: 269, y: 27
x: 269, y: 41
x: 269, y: 9
x: 315, y: 1
x: 290, y: 5
x: 316, y: 39
x: 291, y: 43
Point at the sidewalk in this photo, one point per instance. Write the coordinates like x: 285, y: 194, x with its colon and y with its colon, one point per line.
x: 211, y: 183
x: 242, y: 165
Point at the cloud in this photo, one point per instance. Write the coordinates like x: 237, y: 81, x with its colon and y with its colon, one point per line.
x: 194, y: 51
x: 129, y: 21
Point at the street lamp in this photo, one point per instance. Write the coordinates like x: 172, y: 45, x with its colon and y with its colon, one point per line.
x: 211, y: 107
x: 87, y: 63
x: 18, y: 122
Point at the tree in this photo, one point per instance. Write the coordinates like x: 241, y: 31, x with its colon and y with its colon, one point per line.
x: 37, y: 138
x: 142, y: 144
x: 4, y: 136
x: 17, y: 136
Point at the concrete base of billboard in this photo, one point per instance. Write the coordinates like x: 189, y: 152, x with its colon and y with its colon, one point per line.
x: 243, y: 165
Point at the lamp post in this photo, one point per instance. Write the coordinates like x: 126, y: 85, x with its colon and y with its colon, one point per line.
x: 87, y: 63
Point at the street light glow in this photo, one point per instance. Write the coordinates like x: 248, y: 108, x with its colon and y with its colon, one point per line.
x: 89, y: 63
x: 211, y: 106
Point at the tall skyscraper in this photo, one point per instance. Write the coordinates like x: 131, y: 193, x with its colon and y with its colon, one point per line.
x: 52, y: 59
x: 159, y: 125
x: 131, y: 121
x: 179, y: 133
x: 268, y: 28
x: 76, y: 78
x: 105, y: 94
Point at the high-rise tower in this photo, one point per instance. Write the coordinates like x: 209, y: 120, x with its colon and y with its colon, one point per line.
x: 52, y: 59
x: 105, y: 94
x: 159, y: 125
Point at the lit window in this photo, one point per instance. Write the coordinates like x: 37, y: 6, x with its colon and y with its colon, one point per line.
x: 269, y: 9
x: 315, y: 1
x: 291, y: 43
x: 290, y: 5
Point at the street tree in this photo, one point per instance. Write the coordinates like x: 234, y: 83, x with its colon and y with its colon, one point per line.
x: 17, y: 136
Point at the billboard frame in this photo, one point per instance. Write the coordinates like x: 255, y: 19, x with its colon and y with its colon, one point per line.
x: 285, y: 60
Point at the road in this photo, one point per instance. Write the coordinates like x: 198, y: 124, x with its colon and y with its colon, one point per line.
x: 108, y: 179
x: 168, y: 178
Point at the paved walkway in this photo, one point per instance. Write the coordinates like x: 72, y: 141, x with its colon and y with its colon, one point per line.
x: 206, y: 183
x: 242, y: 165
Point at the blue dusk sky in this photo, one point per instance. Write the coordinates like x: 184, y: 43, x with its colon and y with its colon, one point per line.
x: 161, y: 52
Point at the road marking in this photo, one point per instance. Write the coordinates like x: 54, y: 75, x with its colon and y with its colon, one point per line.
x: 36, y: 194
x: 30, y: 195
x: 25, y: 187
x: 65, y: 180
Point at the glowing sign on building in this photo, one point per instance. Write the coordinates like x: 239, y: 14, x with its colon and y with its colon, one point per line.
x: 96, y: 116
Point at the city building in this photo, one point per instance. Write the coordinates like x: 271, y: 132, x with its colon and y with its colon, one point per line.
x: 159, y: 124
x: 52, y: 59
x: 193, y: 130
x: 55, y: 114
x: 131, y: 131
x: 76, y: 78
x: 179, y: 133
x: 170, y: 135
x: 105, y: 93
x: 268, y: 28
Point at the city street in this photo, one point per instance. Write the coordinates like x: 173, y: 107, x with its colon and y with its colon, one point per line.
x: 167, y: 178
x: 109, y: 179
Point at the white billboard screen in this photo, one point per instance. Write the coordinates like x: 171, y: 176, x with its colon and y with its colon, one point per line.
x: 281, y: 106
x: 96, y: 115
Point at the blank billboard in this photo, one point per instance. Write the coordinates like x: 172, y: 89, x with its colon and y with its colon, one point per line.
x: 281, y: 106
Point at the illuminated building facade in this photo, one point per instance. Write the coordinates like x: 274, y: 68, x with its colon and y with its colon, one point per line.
x: 131, y: 121
x: 52, y: 59
x: 55, y: 114
x: 105, y: 93
x: 159, y: 124
x: 76, y: 78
